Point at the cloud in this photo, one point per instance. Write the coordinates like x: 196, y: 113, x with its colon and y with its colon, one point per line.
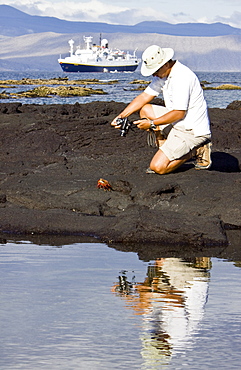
x: 69, y: 10
x: 180, y: 14
x: 124, y: 12
x: 92, y: 11
x: 132, y: 16
x: 234, y: 20
x: 182, y: 17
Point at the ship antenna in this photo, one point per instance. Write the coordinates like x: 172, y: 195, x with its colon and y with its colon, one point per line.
x: 100, y: 38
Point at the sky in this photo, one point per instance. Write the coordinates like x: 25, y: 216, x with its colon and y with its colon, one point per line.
x: 131, y: 12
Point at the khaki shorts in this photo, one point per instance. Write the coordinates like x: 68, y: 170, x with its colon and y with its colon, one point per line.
x: 158, y: 112
x: 179, y: 140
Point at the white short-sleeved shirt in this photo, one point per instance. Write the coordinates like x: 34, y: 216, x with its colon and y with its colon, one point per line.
x: 182, y: 91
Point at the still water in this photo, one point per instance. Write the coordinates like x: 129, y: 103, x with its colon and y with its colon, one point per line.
x: 89, y: 306
x: 122, y: 90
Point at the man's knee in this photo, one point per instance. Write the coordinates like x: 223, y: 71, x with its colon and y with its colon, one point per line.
x: 146, y: 111
x: 161, y: 170
x: 160, y: 162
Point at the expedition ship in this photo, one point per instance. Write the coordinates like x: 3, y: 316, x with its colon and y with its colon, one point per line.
x: 98, y: 58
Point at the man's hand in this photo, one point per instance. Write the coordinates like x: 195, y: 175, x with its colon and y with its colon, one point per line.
x: 115, y: 123
x: 143, y: 124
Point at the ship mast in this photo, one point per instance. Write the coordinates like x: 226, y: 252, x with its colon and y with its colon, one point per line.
x: 88, y: 41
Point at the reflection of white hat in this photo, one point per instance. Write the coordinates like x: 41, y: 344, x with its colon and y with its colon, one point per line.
x: 154, y: 58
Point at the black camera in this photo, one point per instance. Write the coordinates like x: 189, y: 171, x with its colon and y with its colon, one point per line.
x: 125, y: 125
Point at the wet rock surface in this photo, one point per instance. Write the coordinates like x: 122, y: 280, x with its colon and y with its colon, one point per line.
x: 49, y: 88
x: 52, y: 157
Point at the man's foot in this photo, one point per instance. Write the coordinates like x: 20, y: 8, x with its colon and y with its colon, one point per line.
x: 203, y: 157
x: 149, y: 170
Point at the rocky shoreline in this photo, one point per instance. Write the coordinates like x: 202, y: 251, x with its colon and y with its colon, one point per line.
x: 52, y: 157
x: 63, y: 87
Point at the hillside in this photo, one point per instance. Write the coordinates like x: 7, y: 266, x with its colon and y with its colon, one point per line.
x: 41, y: 51
x: 16, y: 23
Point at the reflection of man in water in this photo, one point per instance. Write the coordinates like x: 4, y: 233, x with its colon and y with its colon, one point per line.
x: 171, y: 301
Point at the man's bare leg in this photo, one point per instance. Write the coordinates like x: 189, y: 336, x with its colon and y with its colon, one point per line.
x: 147, y: 112
x: 162, y: 165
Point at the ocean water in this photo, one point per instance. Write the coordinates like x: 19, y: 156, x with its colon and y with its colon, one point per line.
x: 122, y: 90
x: 91, y: 307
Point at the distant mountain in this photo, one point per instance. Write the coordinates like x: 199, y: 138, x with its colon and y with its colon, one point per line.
x: 40, y: 51
x: 13, y: 23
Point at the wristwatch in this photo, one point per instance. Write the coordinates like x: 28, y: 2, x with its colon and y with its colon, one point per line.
x: 152, y: 124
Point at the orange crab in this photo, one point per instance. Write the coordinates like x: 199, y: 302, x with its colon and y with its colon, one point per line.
x: 103, y: 184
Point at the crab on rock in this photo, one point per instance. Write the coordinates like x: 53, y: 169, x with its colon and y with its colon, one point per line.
x: 103, y: 184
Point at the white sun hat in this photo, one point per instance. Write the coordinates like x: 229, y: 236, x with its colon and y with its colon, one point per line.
x: 154, y: 58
